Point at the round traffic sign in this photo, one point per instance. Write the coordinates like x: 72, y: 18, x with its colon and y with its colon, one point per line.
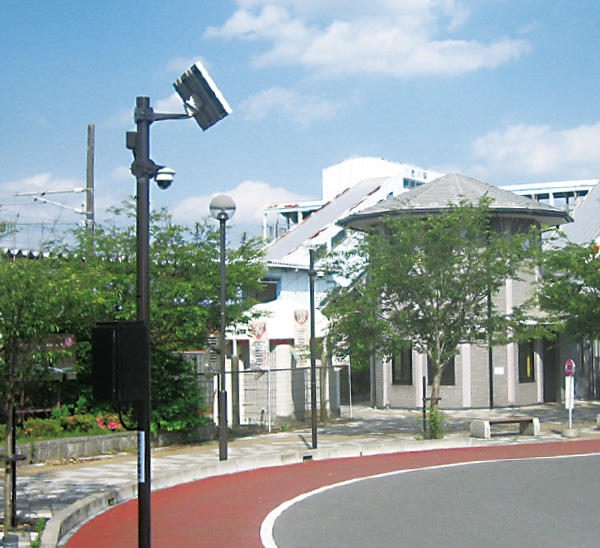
x: 569, y: 367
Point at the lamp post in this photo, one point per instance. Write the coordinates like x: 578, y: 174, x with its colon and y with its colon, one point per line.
x: 203, y: 102
x: 313, y: 352
x: 222, y: 208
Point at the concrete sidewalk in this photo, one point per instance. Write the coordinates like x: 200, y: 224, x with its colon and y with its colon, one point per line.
x: 50, y: 491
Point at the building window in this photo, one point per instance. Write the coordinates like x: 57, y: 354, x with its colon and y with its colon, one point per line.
x: 448, y: 373
x: 402, y: 367
x: 526, y: 362
x: 269, y: 291
x: 338, y: 238
x: 411, y: 183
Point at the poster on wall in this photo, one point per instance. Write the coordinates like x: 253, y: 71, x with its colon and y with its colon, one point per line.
x: 259, y: 344
x: 301, y: 337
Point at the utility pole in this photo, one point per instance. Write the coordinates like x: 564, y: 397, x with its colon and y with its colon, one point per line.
x: 89, y: 197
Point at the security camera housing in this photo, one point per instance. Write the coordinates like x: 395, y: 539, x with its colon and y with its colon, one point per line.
x: 164, y: 177
x: 201, y: 96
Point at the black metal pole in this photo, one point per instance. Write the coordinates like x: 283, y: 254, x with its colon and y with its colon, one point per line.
x: 222, y: 387
x: 313, y: 351
x: 490, y: 349
x: 143, y: 119
x: 424, y: 406
x: 13, y: 467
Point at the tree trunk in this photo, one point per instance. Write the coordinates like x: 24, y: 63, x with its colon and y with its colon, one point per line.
x: 436, y: 384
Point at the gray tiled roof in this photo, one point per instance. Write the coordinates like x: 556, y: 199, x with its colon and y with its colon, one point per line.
x: 434, y: 197
x: 586, y: 227
x: 320, y: 219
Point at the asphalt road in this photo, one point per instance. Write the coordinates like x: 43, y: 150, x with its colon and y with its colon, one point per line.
x: 508, y: 504
x: 535, y: 502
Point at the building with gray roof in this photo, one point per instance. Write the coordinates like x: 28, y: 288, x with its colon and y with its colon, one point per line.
x: 518, y: 374
x: 434, y: 197
x: 586, y: 217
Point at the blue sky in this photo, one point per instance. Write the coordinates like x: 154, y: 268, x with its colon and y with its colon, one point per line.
x: 505, y: 91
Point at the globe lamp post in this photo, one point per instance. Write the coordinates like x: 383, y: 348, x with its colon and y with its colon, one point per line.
x: 222, y: 208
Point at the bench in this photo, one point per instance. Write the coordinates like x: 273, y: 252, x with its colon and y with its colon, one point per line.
x: 482, y: 428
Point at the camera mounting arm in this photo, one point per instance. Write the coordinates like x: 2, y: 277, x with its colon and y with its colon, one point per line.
x: 145, y: 167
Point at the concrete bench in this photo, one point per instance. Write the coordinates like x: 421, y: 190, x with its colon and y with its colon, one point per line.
x: 482, y: 428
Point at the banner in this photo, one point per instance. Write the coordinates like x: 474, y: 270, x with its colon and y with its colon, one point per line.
x: 259, y: 344
x: 301, y: 337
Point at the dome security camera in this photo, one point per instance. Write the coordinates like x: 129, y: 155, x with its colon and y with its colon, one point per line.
x: 164, y: 177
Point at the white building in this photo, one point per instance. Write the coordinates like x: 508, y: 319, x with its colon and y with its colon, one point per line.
x: 292, y: 230
x: 562, y: 194
x: 281, y: 332
x: 512, y: 374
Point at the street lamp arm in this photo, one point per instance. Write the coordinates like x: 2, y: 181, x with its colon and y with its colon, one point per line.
x: 157, y: 116
x: 145, y: 113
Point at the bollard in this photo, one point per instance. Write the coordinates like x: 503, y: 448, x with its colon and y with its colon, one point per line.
x: 10, y: 541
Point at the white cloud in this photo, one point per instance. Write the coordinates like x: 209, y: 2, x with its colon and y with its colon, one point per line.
x: 520, y: 152
x: 291, y: 105
x: 172, y: 104
x: 121, y: 173
x: 181, y: 64
x: 402, y: 39
x: 250, y: 197
x: 122, y: 119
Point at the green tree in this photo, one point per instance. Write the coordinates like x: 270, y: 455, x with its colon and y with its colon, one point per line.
x: 94, y: 280
x: 569, y: 289
x: 184, y: 294
x: 425, y: 284
x: 38, y: 300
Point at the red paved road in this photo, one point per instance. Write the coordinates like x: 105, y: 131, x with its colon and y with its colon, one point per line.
x: 227, y: 511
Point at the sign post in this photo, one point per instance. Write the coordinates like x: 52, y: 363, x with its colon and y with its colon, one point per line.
x: 570, y: 389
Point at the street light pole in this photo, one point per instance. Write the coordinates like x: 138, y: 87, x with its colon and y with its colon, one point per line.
x: 222, y: 208
x: 313, y: 352
x: 143, y: 119
x: 144, y: 169
x: 203, y: 102
x: 223, y: 433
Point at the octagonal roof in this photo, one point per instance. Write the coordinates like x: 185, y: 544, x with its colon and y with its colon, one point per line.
x: 452, y: 189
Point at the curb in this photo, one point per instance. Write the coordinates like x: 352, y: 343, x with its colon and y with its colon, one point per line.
x: 69, y: 518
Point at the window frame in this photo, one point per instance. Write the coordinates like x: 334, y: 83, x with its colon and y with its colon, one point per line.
x: 526, y: 362
x: 402, y: 373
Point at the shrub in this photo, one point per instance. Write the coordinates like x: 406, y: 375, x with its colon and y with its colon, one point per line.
x: 42, y: 428
x: 109, y: 421
x: 176, y: 396
x: 62, y: 425
x: 437, y: 424
x: 78, y: 423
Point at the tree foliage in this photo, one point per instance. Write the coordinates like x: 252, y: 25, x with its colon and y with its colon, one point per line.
x: 184, y: 297
x: 39, y: 299
x: 425, y: 282
x: 569, y: 290
x: 184, y: 276
x: 72, y: 288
